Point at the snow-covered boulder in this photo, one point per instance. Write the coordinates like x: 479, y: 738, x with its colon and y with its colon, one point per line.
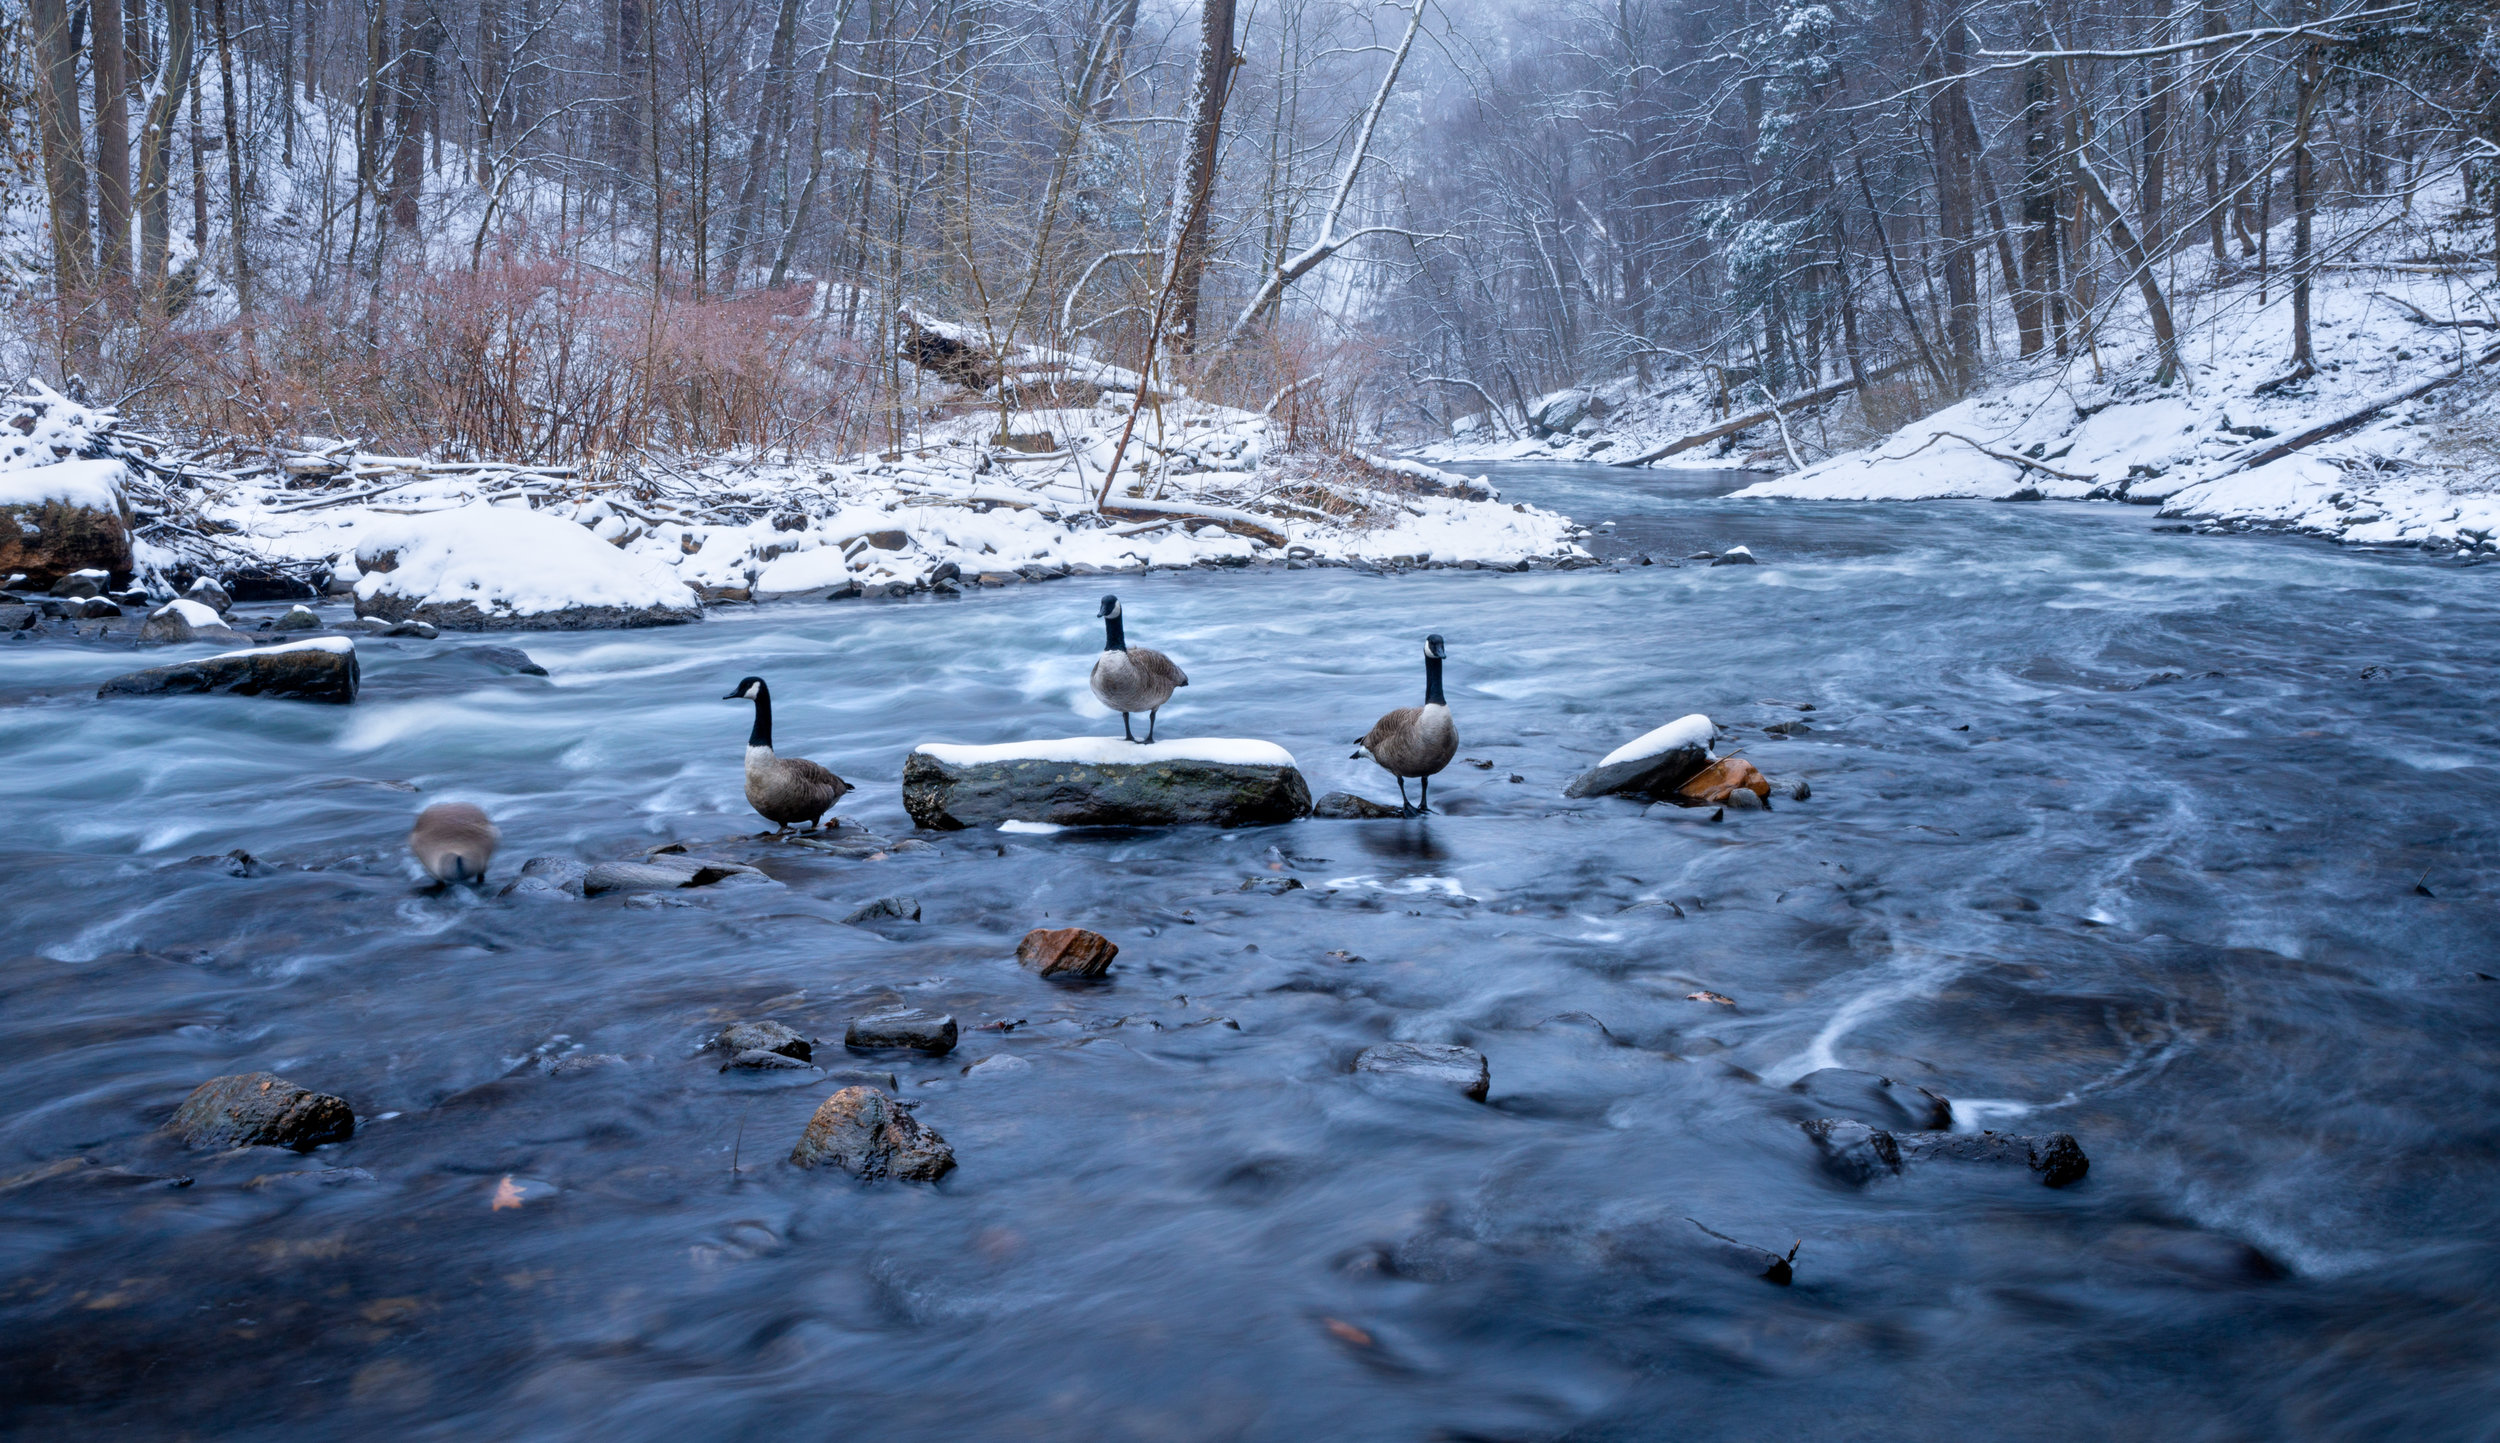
x: 1653, y: 764
x: 1104, y: 782
x: 1558, y: 413
x: 499, y: 568
x: 322, y: 668
x: 181, y: 621
x: 61, y: 508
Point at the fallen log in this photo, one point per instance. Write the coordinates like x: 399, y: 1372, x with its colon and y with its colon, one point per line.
x: 1239, y: 523
x: 2251, y: 457
x: 1815, y: 397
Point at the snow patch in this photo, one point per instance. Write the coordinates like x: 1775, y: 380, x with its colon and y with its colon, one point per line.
x: 1227, y: 751
x: 193, y: 612
x: 506, y: 559
x: 1695, y: 730
x: 344, y: 646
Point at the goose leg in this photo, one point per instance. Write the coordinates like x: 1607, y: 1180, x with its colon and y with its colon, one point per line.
x: 1405, y: 807
x: 1426, y: 809
x: 1124, y: 731
x: 1150, y: 726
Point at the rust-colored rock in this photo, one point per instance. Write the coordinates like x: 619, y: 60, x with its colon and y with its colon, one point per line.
x: 52, y: 538
x: 1067, y: 952
x: 865, y: 1132
x: 1711, y: 786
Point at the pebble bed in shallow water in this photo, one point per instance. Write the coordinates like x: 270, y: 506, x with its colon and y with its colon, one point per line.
x: 2111, y: 834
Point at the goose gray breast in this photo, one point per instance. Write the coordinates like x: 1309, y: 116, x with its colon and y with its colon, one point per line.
x: 1136, y: 678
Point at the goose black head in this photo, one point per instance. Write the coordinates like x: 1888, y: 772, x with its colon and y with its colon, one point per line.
x: 748, y: 690
x: 1433, y: 647
x: 1110, y: 608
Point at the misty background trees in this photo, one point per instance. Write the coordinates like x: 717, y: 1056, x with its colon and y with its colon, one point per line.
x: 583, y: 229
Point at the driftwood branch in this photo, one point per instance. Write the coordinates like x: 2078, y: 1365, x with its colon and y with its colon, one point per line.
x: 2011, y: 458
x: 2421, y: 317
x: 1747, y: 422
x: 2275, y: 450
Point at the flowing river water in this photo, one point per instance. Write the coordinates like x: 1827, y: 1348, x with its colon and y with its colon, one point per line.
x: 2180, y: 844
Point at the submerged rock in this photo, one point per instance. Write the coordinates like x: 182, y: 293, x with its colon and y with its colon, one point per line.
x: 886, y: 909
x: 1437, y: 1063
x: 259, y: 1109
x: 660, y: 872
x: 1853, y: 1151
x: 1104, y: 782
x: 2055, y: 1156
x: 508, y: 658
x: 322, y: 670
x: 1347, y: 807
x: 767, y: 1036
x: 867, y: 1133
x: 904, y: 1027
x: 297, y: 618
x: 1652, y: 765
x: 546, y: 878
x: 1067, y: 952
x: 1876, y: 1101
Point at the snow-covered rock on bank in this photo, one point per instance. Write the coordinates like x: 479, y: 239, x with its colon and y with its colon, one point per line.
x: 1104, y: 782
x: 61, y: 499
x: 484, y: 567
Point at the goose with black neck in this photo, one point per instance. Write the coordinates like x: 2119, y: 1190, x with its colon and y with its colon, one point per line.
x: 783, y: 790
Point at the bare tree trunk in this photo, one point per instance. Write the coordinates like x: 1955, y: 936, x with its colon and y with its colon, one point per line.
x: 2152, y: 226
x: 408, y: 117
x: 772, y: 118
x: 238, y: 213
x: 494, y: 75
x: 64, y: 144
x: 156, y: 142
x: 1900, y: 292
x: 1953, y: 211
x: 2040, y: 277
x: 112, y: 148
x: 2304, y: 205
x: 2122, y: 238
x: 1191, y: 201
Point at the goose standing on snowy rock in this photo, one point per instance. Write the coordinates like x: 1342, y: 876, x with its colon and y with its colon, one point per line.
x: 454, y: 841
x: 784, y: 790
x: 1415, y: 741
x: 1132, y: 678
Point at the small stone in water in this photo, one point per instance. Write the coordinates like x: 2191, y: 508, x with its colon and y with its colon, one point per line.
x: 868, y: 1134
x: 1067, y: 952
x: 1800, y: 792
x: 259, y: 1109
x: 932, y: 1033
x: 297, y: 618
x: 1709, y: 997
x: 894, y: 909
x: 1876, y: 1101
x: 766, y: 1036
x: 1442, y: 1063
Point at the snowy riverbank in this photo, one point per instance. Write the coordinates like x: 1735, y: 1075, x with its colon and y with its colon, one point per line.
x: 1200, y: 485
x: 2386, y: 441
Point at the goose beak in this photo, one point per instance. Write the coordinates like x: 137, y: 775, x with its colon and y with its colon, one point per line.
x: 735, y: 696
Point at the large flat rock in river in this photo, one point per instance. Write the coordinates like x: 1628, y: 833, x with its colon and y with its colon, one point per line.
x: 1104, y: 782
x: 321, y: 668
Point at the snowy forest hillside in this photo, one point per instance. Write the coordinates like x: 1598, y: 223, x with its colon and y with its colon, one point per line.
x: 594, y: 233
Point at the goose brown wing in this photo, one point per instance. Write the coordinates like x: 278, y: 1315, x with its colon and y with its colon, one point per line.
x: 1390, y: 729
x: 813, y: 775
x: 1158, y: 666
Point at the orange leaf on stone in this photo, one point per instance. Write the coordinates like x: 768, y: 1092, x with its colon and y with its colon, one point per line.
x: 1711, y: 785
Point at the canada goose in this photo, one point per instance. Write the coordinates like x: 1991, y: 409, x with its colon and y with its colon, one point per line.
x: 1415, y: 741
x: 1132, y: 678
x: 783, y: 789
x: 454, y: 841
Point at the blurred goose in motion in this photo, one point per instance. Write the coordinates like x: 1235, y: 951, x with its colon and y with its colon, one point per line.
x: 454, y: 841
x: 783, y: 790
x: 1415, y: 741
x: 1132, y: 678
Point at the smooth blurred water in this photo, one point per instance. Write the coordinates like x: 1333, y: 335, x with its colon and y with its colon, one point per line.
x: 2110, y: 834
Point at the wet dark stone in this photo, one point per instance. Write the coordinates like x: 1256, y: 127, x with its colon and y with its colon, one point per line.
x: 2055, y: 1156
x: 867, y: 1133
x: 1170, y: 792
x: 765, y: 1036
x: 756, y: 1059
x: 1347, y: 807
x: 508, y: 658
x: 251, y: 1109
x: 546, y: 878
x: 1788, y: 729
x: 886, y: 909
x: 1853, y: 1151
x: 1655, y: 776
x: 1437, y: 1063
x: 1876, y: 1101
x: 907, y: 1027
x: 1718, y: 1247
x: 302, y: 673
